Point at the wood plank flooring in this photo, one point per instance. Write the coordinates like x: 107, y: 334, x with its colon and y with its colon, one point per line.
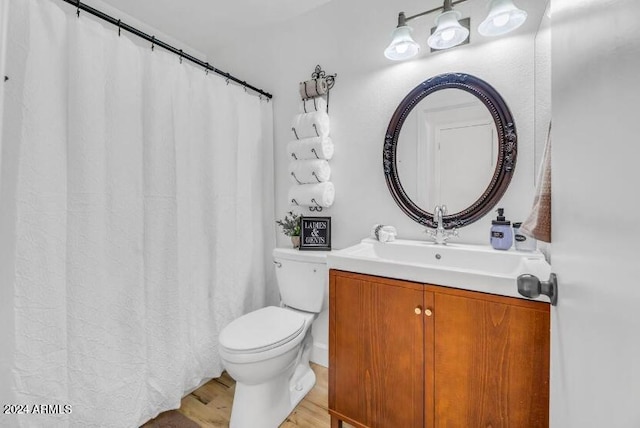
x: 210, y: 406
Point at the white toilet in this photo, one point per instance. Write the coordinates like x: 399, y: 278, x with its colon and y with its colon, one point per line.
x: 267, y: 351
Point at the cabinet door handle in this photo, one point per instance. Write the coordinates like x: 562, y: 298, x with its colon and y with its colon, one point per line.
x: 418, y: 310
x: 428, y: 312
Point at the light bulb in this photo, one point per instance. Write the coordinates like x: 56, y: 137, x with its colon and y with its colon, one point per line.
x: 503, y: 17
x: 402, y: 48
x: 501, y: 20
x: 448, y: 34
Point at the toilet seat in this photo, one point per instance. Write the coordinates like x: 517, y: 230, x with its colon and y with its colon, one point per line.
x: 262, y: 330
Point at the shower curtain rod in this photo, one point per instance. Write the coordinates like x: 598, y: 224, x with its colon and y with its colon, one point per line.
x: 155, y: 42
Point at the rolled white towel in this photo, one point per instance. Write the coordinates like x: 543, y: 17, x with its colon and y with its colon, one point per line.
x: 307, y: 125
x: 312, y: 195
x: 309, y: 171
x: 313, y: 104
x: 313, y: 88
x: 384, y: 233
x: 311, y: 148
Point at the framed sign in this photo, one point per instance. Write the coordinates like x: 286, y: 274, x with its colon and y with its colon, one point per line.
x: 315, y: 233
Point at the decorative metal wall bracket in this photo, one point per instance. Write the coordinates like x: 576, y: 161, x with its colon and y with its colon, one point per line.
x: 317, y: 207
x: 319, y: 73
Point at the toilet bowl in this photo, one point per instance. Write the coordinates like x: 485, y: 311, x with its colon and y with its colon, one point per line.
x: 267, y: 351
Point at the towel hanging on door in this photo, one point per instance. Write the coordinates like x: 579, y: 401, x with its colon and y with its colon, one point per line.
x: 538, y: 224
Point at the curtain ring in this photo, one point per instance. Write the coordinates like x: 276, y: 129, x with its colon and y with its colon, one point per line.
x: 119, y: 27
x: 78, y: 8
x: 180, y: 56
x: 153, y: 42
x: 207, y: 69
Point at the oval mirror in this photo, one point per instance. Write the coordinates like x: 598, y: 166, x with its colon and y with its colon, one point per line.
x: 451, y: 141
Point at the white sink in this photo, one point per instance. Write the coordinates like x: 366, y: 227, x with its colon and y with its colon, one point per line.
x: 469, y: 267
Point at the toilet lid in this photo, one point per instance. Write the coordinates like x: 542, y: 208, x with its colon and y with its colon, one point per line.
x: 260, y: 330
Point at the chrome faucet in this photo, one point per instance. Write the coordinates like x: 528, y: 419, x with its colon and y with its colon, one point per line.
x: 440, y: 235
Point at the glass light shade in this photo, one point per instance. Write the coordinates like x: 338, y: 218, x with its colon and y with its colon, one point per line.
x: 402, y: 45
x: 503, y: 17
x: 449, y: 32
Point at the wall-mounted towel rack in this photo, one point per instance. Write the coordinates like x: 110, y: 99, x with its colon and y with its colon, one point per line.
x: 312, y: 147
x: 320, y: 84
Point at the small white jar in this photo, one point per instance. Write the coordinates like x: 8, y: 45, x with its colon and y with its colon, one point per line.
x: 523, y: 242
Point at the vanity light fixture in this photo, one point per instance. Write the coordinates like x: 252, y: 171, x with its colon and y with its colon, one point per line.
x: 503, y: 17
x: 402, y: 45
x: 449, y: 32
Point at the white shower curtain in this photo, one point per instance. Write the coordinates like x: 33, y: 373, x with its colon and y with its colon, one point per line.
x: 136, y: 219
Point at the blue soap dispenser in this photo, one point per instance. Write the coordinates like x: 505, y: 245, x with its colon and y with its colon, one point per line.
x: 501, y: 233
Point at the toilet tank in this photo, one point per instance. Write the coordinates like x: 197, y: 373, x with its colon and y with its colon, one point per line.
x: 302, y: 278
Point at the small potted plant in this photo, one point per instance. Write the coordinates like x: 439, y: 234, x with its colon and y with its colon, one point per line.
x: 290, y: 225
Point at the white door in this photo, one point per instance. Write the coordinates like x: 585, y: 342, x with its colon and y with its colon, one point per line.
x: 466, y: 150
x: 6, y: 294
x: 595, y: 365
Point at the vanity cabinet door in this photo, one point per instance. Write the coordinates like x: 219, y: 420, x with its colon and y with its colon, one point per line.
x: 491, y: 361
x: 376, y: 351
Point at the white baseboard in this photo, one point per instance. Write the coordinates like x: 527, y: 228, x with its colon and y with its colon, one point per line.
x: 320, y: 354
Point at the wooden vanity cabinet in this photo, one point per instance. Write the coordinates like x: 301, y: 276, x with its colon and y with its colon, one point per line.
x: 403, y: 354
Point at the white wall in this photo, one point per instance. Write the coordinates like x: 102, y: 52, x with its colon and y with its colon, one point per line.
x: 347, y: 37
x: 595, y: 368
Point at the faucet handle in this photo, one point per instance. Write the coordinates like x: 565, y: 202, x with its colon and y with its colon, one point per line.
x: 448, y: 234
x: 443, y: 208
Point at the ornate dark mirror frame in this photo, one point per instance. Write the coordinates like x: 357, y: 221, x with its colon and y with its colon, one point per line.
x: 507, y: 148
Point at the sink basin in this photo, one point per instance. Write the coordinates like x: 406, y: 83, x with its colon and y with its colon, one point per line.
x: 469, y: 267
